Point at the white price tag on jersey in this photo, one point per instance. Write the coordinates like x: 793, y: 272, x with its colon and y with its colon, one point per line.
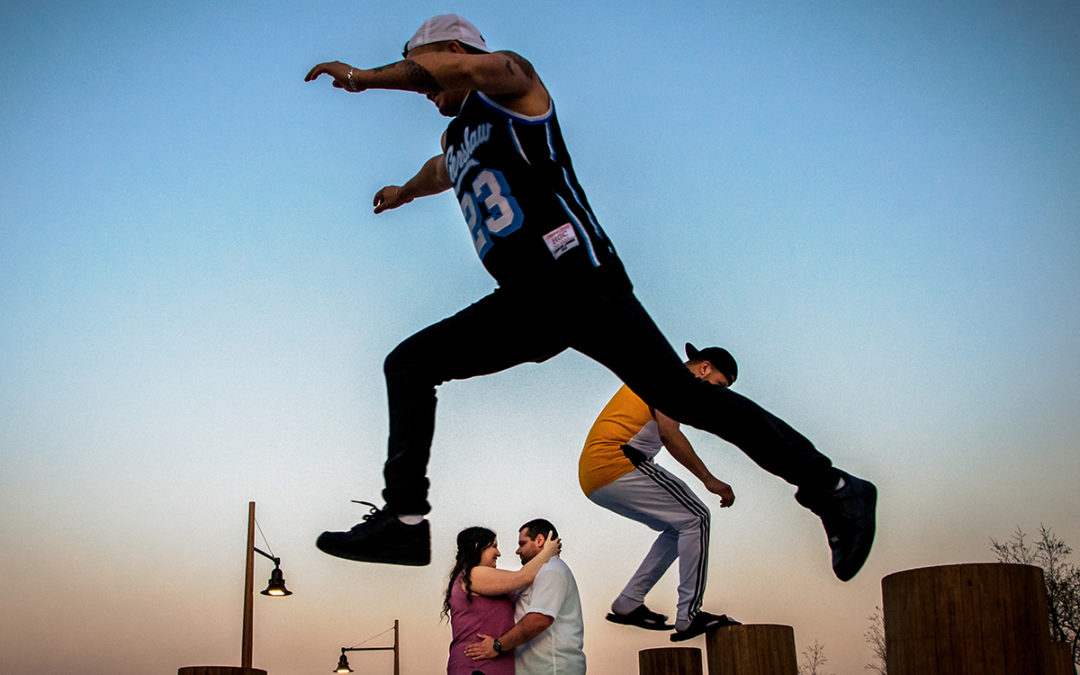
x: 561, y: 239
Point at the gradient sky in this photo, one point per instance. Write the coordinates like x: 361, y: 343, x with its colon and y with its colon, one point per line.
x: 874, y: 206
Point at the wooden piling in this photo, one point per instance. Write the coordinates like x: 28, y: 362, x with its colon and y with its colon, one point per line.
x: 219, y: 670
x: 753, y: 649
x: 970, y: 619
x: 670, y: 661
x: 1060, y: 660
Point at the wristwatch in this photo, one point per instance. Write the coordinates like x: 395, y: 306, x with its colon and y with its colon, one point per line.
x: 497, y: 646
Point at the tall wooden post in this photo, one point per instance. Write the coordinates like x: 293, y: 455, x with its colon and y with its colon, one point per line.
x: 971, y: 619
x: 397, y: 662
x: 249, y: 586
x: 1060, y: 660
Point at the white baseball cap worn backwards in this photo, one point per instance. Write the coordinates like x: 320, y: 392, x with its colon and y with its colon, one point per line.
x: 446, y: 27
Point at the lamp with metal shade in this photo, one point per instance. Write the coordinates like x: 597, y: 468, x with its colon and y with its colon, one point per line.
x: 276, y: 585
x: 343, y: 663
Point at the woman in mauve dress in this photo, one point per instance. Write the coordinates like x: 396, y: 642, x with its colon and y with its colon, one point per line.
x: 478, y: 598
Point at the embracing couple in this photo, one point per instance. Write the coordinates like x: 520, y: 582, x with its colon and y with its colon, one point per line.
x: 526, y: 622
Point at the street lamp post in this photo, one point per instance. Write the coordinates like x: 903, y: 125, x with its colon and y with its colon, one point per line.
x: 343, y: 662
x: 275, y: 587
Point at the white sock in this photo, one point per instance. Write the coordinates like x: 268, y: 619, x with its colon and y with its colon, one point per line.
x: 840, y: 484
x: 411, y: 520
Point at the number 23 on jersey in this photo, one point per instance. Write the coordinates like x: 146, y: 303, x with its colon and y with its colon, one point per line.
x: 490, y: 209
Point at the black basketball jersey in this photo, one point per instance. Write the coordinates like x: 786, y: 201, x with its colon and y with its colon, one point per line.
x: 527, y: 214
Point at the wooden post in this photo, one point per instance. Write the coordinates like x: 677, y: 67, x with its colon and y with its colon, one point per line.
x: 971, y: 619
x: 219, y: 670
x: 754, y: 649
x: 1060, y: 660
x: 397, y: 663
x: 670, y: 661
x: 249, y: 585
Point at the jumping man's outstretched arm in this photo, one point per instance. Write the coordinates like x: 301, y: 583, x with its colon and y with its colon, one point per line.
x: 506, y: 76
x: 431, y: 179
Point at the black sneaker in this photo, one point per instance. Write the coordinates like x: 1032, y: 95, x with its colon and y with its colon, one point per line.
x: 381, y: 538
x: 703, y: 622
x: 848, y: 517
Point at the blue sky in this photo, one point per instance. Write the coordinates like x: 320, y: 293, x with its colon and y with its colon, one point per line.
x: 875, y: 207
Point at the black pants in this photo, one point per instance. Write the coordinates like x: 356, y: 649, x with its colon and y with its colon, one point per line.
x: 602, y: 320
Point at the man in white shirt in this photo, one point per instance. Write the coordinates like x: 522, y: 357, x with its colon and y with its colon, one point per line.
x: 549, y: 634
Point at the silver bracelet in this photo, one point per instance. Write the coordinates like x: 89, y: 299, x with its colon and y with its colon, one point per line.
x: 352, y: 85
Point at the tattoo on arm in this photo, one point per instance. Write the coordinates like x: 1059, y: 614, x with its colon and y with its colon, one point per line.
x: 417, y: 77
x: 513, y: 59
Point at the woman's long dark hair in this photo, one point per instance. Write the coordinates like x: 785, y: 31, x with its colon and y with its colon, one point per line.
x: 471, y: 542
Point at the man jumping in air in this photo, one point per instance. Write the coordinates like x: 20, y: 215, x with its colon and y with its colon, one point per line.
x: 560, y: 285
